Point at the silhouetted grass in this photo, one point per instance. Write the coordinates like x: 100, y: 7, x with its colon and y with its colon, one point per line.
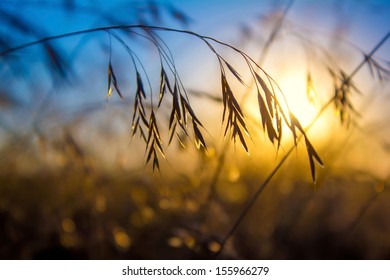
x: 59, y: 200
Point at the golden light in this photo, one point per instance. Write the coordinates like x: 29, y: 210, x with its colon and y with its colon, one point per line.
x: 122, y: 239
x: 68, y: 225
x: 303, y: 101
x: 214, y: 246
x: 294, y: 87
x: 175, y: 242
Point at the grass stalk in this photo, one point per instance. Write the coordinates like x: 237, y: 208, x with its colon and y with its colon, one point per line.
x: 260, y: 60
x: 265, y: 183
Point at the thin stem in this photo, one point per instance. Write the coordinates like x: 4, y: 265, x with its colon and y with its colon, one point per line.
x: 275, y: 32
x: 267, y: 46
x: 113, y: 27
x: 251, y: 202
x: 253, y: 82
x: 384, y: 39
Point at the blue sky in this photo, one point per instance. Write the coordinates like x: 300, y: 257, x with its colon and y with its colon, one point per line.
x: 362, y: 23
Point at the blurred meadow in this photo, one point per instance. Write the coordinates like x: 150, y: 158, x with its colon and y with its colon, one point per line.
x: 194, y: 129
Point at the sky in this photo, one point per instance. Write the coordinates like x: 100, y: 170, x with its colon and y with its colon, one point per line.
x: 361, y: 24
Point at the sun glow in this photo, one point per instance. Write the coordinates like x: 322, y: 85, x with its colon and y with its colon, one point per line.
x: 303, y: 101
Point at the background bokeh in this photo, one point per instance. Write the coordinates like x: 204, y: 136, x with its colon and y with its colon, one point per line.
x: 74, y: 183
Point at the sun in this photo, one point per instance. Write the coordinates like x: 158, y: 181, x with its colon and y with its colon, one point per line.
x: 301, y: 100
x: 304, y: 101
